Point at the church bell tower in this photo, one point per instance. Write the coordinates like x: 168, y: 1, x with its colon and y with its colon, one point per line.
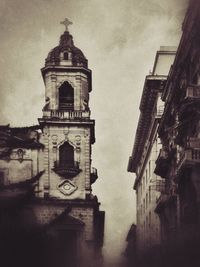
x: 68, y: 131
x: 46, y: 173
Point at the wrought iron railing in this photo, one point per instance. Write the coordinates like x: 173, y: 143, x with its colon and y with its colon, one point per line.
x: 67, y: 171
x: 193, y: 142
x: 193, y: 92
x: 188, y: 156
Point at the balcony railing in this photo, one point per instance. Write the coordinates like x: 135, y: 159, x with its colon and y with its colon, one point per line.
x: 160, y: 202
x: 162, y: 164
x: 68, y: 115
x: 193, y: 142
x: 188, y: 157
x: 192, y: 92
x: 164, y: 200
x: 158, y: 185
x: 67, y: 171
x: 94, y: 175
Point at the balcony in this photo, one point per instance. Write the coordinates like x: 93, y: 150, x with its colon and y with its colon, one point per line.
x: 160, y: 202
x: 183, y: 136
x: 192, y: 92
x: 188, y: 158
x: 162, y: 164
x: 190, y: 103
x: 158, y: 185
x: 68, y: 171
x: 93, y: 175
x: 163, y: 201
x: 66, y: 115
x: 193, y: 142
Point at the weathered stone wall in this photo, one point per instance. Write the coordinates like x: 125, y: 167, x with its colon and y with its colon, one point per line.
x: 79, y: 138
x: 86, y: 215
x: 22, y: 164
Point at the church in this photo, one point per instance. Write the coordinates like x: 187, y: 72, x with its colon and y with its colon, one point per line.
x: 48, y: 214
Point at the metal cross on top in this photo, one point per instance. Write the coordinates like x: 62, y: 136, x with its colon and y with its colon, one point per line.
x: 66, y: 23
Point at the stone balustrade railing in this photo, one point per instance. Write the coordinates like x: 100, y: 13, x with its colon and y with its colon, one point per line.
x: 68, y: 115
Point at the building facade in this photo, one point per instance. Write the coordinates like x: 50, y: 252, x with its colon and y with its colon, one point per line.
x: 179, y: 159
x: 46, y: 172
x: 146, y: 148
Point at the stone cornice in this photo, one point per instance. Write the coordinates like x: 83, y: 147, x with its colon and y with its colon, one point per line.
x: 152, y: 85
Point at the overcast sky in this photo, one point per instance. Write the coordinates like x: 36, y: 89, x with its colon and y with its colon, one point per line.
x: 120, y: 39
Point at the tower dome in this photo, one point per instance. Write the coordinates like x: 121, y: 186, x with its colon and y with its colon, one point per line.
x: 66, y: 53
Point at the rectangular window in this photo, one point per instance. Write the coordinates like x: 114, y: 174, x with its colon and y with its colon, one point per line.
x: 138, y: 196
x: 2, y: 178
x: 146, y: 176
x: 146, y: 200
x: 149, y: 194
x: 149, y: 218
x: 143, y: 181
x: 147, y: 222
x: 149, y: 169
x: 144, y: 205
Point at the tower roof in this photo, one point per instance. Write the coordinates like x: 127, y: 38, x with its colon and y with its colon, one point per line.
x: 66, y: 44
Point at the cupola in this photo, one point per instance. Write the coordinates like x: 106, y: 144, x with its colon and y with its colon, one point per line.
x: 66, y: 53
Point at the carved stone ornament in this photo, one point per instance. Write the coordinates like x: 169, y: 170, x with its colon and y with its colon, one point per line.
x: 67, y: 172
x: 54, y: 149
x: 78, y: 149
x: 47, y: 103
x: 66, y: 133
x: 67, y: 187
x: 46, y: 130
x: 20, y: 154
x: 54, y: 139
x: 78, y: 140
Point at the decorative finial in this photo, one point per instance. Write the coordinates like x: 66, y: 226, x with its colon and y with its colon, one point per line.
x: 66, y: 23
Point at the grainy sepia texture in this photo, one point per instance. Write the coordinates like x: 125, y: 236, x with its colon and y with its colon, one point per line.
x: 120, y: 39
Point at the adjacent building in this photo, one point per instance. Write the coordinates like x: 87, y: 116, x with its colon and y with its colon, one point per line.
x: 48, y: 214
x: 166, y: 156
x: 179, y: 160
x: 146, y: 148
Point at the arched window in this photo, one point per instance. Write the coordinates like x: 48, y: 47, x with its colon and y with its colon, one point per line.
x: 66, y: 155
x: 66, y: 97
